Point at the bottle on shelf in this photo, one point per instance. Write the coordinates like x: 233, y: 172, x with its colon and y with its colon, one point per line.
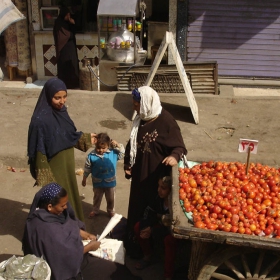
x: 119, y: 23
x: 129, y: 24
x: 115, y: 26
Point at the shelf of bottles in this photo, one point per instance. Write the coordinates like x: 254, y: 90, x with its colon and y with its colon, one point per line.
x: 107, y: 25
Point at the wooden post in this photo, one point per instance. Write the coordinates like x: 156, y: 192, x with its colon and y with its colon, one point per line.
x: 157, y: 60
x: 248, y: 159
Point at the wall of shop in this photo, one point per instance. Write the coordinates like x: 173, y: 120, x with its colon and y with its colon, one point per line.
x: 87, y: 45
x: 43, y: 50
x: 44, y: 55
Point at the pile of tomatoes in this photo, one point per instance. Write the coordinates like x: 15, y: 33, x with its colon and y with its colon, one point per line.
x: 229, y: 197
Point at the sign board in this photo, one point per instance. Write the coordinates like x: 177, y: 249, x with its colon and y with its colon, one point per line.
x: 169, y: 40
x: 245, y: 144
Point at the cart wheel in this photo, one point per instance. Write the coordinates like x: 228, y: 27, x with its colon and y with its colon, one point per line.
x: 241, y: 263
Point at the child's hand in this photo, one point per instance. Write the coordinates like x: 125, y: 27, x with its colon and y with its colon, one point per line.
x: 145, y: 233
x: 114, y: 143
x: 71, y: 20
x: 84, y: 182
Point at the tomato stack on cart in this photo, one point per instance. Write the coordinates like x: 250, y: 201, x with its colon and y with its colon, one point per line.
x: 231, y: 213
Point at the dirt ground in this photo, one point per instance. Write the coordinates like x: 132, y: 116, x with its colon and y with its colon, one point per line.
x: 223, y: 120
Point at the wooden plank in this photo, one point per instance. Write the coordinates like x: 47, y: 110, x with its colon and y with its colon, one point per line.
x: 157, y: 60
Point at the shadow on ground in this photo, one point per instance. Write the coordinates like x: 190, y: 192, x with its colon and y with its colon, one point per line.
x: 13, y: 216
x: 179, y: 112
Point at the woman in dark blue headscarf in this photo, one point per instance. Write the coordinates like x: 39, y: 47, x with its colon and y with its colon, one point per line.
x: 52, y: 137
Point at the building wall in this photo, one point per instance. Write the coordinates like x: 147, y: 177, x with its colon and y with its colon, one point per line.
x: 87, y: 45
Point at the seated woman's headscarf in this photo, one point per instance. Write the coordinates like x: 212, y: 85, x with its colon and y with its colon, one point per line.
x: 45, y: 195
x: 51, y: 130
x: 150, y: 108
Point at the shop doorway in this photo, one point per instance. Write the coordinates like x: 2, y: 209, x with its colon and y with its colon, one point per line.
x: 156, y: 24
x: 2, y: 57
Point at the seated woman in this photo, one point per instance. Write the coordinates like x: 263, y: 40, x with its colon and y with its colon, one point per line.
x: 53, y: 232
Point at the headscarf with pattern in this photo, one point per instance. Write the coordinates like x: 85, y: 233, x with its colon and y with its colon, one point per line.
x: 50, y: 192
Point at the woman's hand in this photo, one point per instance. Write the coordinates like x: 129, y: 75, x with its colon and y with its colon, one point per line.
x: 128, y: 171
x: 92, y: 246
x: 93, y: 138
x: 91, y: 237
x: 170, y: 161
x: 86, y: 235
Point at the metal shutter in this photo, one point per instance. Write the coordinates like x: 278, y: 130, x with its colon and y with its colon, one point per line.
x: 241, y: 35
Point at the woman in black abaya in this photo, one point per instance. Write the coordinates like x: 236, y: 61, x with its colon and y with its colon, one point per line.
x: 66, y: 49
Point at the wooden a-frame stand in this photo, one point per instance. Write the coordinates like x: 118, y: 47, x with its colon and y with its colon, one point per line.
x: 168, y: 40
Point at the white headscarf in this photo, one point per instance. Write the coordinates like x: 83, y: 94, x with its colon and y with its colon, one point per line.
x: 150, y: 108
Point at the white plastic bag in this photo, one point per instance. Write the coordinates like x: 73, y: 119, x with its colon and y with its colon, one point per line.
x: 3, y: 264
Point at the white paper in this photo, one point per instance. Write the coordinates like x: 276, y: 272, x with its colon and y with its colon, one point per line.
x: 110, y: 249
x: 111, y: 224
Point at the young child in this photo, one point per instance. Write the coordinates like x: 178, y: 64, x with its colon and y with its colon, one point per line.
x: 156, y: 220
x: 101, y: 163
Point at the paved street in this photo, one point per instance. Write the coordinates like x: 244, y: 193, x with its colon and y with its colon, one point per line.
x: 251, y: 113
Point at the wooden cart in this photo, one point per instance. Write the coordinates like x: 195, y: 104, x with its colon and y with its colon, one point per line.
x: 222, y: 255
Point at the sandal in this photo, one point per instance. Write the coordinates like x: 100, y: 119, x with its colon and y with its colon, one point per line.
x: 92, y: 215
x: 142, y: 264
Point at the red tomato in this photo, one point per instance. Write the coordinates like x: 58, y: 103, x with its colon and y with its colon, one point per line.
x: 241, y: 230
x: 199, y: 224
x: 246, y: 188
x: 182, y: 195
x: 268, y: 230
x: 192, y: 183
x: 217, y: 209
x: 248, y: 231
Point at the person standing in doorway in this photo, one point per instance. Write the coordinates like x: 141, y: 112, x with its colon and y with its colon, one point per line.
x: 66, y: 49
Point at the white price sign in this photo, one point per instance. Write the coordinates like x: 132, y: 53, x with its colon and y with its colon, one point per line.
x: 245, y: 144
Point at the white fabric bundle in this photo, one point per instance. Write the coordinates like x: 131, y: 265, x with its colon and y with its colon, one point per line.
x: 8, y: 14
